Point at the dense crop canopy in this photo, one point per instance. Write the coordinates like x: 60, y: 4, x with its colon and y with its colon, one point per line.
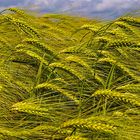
x: 68, y: 78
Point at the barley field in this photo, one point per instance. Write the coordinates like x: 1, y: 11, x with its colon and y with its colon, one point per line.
x: 65, y: 77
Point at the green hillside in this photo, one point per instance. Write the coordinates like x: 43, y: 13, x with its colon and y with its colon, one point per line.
x: 69, y: 78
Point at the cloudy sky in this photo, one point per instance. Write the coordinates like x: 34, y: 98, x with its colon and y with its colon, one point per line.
x: 91, y: 8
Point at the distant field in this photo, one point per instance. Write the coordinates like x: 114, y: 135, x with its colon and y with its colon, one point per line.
x: 64, y: 77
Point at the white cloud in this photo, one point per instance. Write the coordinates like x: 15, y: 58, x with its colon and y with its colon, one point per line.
x: 44, y: 2
x: 117, y: 4
x: 83, y: 7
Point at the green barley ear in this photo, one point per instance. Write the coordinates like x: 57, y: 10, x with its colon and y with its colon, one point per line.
x: 22, y: 25
x: 89, y: 125
x: 126, y: 27
x: 117, y: 33
x: 126, y: 98
x: 103, y: 39
x: 6, y: 132
x: 67, y: 69
x: 123, y: 43
x: 37, y: 43
x: 75, y: 137
x: 59, y: 89
x: 12, y: 133
x: 131, y: 21
x: 52, y: 130
x: 92, y: 28
x: 33, y: 55
x: 4, y: 42
x: 79, y: 50
x: 132, y: 88
x: 79, y: 61
x: 30, y: 108
x: 17, y: 11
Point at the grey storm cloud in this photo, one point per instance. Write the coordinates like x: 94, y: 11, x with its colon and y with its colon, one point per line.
x: 101, y: 8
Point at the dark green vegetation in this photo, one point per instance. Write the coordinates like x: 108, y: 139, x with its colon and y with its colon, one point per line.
x: 69, y: 78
